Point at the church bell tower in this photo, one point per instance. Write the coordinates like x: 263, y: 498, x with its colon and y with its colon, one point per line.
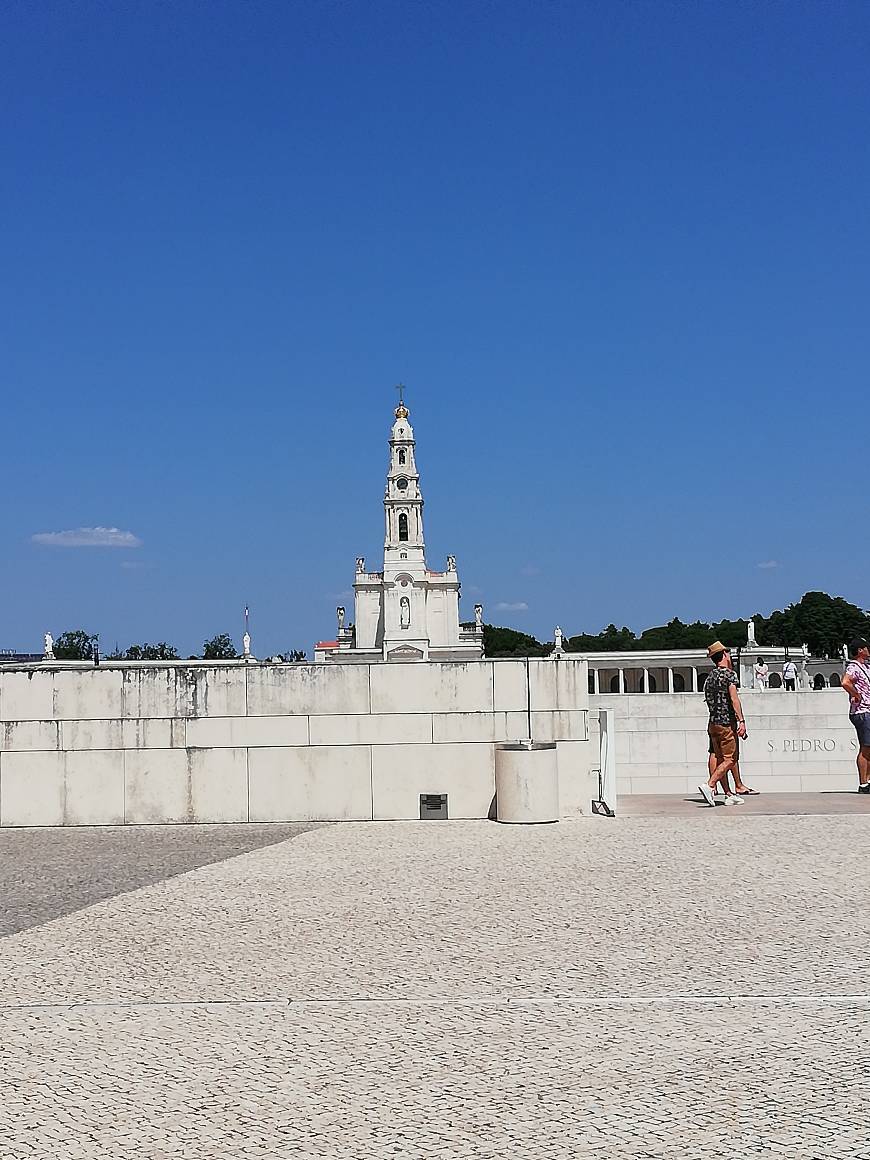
x: 407, y: 612
x: 404, y: 547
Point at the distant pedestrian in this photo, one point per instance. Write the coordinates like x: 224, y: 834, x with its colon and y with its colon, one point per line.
x: 789, y: 676
x: 761, y: 673
x: 856, y: 682
x: 726, y: 725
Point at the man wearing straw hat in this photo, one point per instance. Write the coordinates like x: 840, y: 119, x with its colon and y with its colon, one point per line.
x: 726, y: 724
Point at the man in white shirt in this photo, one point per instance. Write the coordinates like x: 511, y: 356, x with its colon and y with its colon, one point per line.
x: 789, y: 676
x: 762, y: 672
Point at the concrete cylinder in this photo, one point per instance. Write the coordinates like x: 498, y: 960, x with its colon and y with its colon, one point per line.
x: 526, y: 782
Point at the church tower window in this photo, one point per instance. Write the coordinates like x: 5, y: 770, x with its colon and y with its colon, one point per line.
x: 402, y: 456
x: 403, y: 526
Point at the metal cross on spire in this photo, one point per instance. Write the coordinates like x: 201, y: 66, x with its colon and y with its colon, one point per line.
x: 400, y: 387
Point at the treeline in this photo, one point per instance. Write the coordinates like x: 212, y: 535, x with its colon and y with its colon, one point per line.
x: 824, y: 623
x: 78, y: 645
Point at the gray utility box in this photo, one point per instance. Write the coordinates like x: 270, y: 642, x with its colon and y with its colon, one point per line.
x: 526, y: 782
x: 433, y: 807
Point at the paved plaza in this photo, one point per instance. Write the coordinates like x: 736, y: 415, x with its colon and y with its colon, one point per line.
x: 667, y: 986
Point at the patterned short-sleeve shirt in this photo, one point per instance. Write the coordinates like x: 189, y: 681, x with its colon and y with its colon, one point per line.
x: 718, y: 698
x: 861, y: 680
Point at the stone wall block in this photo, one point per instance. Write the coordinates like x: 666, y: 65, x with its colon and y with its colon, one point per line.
x: 150, y: 733
x: 370, y: 728
x: 578, y: 784
x: 157, y: 786
x: 297, y: 690
x: 218, y: 785
x: 156, y: 692
x: 217, y: 692
x: 400, y: 773
x: 318, y: 782
x: 92, y: 735
x: 558, y: 685
x: 29, y: 736
x: 510, y: 691
x: 88, y: 694
x: 32, y: 789
x: 27, y: 696
x: 450, y: 727
x: 560, y: 725
x: 447, y: 687
x: 241, y: 732
x: 94, y: 788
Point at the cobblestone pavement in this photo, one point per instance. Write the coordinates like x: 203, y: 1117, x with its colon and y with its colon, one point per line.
x: 45, y: 873
x: 631, y: 988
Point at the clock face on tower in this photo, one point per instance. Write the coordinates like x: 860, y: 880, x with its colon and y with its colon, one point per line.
x: 401, y: 484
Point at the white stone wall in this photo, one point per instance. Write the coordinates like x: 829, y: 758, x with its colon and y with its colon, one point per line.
x: 211, y: 743
x: 797, y: 741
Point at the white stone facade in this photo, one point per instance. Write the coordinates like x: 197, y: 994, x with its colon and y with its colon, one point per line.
x: 405, y: 612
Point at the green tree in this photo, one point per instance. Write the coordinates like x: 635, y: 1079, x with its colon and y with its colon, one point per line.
x: 612, y: 639
x: 825, y: 623
x: 151, y: 652
x: 731, y: 632
x: 508, y: 642
x: 76, y: 645
x: 219, y: 648
x: 297, y: 654
x: 675, y: 634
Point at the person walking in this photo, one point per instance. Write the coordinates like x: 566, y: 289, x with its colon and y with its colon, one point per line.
x: 761, y: 672
x: 789, y: 676
x: 726, y: 725
x: 739, y: 788
x: 856, y: 682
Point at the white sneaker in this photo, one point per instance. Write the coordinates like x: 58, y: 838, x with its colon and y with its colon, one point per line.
x: 733, y: 799
x: 707, y: 794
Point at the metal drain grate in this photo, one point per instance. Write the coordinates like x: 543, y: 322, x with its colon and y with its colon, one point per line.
x: 433, y: 807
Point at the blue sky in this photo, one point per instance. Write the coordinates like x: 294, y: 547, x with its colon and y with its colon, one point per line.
x: 619, y: 253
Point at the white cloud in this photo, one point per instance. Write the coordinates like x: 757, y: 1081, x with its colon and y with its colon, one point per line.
x: 472, y: 590
x: 88, y: 538
x: 345, y: 595
x: 512, y: 606
x: 769, y: 564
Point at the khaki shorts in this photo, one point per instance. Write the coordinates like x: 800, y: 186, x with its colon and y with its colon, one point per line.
x: 724, y: 742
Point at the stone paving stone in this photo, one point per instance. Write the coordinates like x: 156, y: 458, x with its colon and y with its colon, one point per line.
x: 45, y: 873
x: 600, y: 907
x: 510, y: 1081
x: 457, y: 990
